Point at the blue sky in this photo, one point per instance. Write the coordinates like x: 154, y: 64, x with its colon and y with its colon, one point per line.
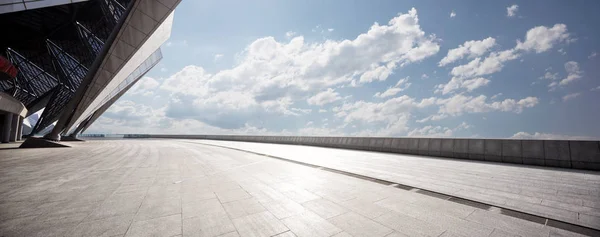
x: 493, y: 69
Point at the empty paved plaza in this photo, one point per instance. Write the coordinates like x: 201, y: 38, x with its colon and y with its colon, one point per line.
x: 151, y: 187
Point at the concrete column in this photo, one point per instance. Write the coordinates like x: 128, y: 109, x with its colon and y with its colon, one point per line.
x: 6, y: 127
x: 14, y: 128
x: 20, y: 129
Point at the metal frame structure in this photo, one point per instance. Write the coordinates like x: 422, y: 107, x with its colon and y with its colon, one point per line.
x: 62, y: 50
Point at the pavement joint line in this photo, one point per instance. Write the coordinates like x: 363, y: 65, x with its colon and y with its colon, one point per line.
x: 492, y: 208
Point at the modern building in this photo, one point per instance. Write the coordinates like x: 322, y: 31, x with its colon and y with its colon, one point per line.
x: 74, y: 58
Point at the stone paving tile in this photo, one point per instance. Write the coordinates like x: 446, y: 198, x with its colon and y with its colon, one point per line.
x: 507, y: 223
x: 197, y: 195
x: 110, y: 187
x: 202, y: 208
x: 286, y: 234
x: 398, y: 234
x: 11, y: 226
x: 365, y: 208
x: 300, y: 195
x: 284, y: 208
x: 230, y: 234
x: 511, y: 186
x: 410, y: 226
x: 262, y: 224
x: 243, y: 207
x: 120, y: 204
x: 162, y: 226
x: 499, y: 233
x: 157, y: 207
x: 308, y: 224
x: 342, y: 234
x: 232, y: 195
x: 358, y: 225
x: 211, y: 224
x: 111, y: 226
x: 450, y: 234
x: 325, y: 208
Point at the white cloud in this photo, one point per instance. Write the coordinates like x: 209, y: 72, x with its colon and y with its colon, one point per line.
x: 571, y: 96
x: 218, y: 56
x: 491, y: 64
x: 469, y: 49
x: 393, y: 114
x: 573, y: 74
x: 164, y: 69
x: 424, y: 76
x: 324, y: 97
x: 595, y: 89
x: 401, y: 85
x: 272, y: 76
x: 512, y: 10
x: 549, y: 76
x: 541, y: 38
x: 145, y: 86
x: 168, y: 44
x: 309, y: 123
x: 457, y: 83
x: 322, y: 111
x: 431, y: 131
x: 330, y: 29
x: 437, y: 131
x: 538, y: 39
x: 592, y: 55
x: 549, y: 136
x: 496, y: 96
x: 290, y: 34
x: 452, y: 14
x: 460, y: 104
x: 562, y: 51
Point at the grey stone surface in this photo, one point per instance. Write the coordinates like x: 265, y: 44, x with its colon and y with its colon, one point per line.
x: 585, y: 151
x: 365, y: 143
x: 387, y: 145
x: 558, y: 163
x: 447, y: 147
x: 308, y: 224
x: 512, y: 152
x: 404, y: 144
x: 163, y: 226
x: 379, y: 143
x: 423, y: 146
x: 476, y: 149
x: 515, y: 186
x: 435, y: 147
x: 413, y: 145
x: 585, y: 165
x: 533, y: 149
x: 557, y: 150
x: 151, y: 187
x: 373, y: 145
x: 259, y: 224
x: 461, y: 148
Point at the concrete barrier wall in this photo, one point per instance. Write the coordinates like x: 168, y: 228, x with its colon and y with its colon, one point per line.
x: 551, y: 153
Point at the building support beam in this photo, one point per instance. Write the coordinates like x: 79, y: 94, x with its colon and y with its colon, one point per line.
x: 71, y: 107
x: 20, y: 129
x: 6, y: 127
x: 13, y: 127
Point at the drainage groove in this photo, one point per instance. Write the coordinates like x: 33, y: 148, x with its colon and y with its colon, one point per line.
x: 480, y: 205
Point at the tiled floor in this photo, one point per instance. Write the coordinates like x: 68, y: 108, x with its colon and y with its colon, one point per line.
x: 178, y: 188
x: 567, y: 195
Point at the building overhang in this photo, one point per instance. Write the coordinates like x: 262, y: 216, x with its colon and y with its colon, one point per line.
x: 11, y: 105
